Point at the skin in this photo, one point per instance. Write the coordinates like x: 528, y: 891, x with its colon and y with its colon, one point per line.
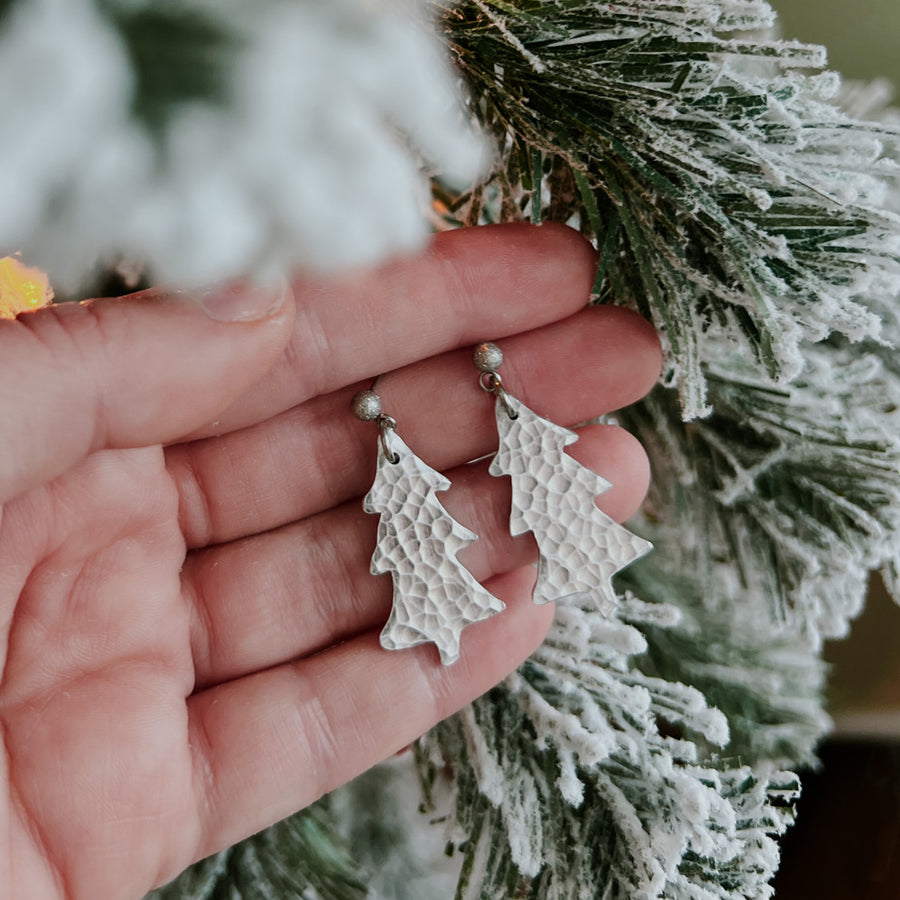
x: 189, y: 627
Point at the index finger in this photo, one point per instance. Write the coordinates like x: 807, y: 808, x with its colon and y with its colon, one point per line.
x: 469, y: 285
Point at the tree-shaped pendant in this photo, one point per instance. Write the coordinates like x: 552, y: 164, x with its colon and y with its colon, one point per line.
x: 581, y: 548
x: 435, y: 597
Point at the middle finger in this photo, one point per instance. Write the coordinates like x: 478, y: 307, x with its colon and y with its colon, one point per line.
x: 317, y: 455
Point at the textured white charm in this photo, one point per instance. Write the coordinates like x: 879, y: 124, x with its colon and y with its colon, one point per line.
x: 581, y: 547
x: 435, y: 598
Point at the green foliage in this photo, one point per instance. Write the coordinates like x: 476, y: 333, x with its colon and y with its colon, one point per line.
x: 178, y: 54
x: 762, y: 678
x: 301, y: 858
x: 711, y: 171
x: 793, y: 488
x: 580, y: 777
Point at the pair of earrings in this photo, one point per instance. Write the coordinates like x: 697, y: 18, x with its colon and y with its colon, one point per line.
x: 435, y: 597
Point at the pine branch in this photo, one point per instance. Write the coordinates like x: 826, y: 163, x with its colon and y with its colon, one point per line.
x: 765, y: 681
x: 301, y: 858
x: 571, y: 783
x: 797, y: 488
x: 729, y: 194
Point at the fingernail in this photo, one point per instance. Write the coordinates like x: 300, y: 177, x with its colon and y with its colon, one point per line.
x: 242, y: 301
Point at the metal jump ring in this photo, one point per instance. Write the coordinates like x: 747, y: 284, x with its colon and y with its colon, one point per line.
x: 493, y: 384
x: 385, y: 424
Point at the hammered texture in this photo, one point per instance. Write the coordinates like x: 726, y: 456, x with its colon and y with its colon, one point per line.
x: 580, y: 547
x: 435, y: 598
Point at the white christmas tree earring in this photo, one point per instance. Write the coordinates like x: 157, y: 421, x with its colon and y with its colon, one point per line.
x: 581, y: 548
x: 435, y: 598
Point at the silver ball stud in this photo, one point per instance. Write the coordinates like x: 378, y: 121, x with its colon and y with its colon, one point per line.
x: 366, y: 405
x: 487, y: 357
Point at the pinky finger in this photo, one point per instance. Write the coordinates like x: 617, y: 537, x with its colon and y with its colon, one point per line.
x: 268, y: 744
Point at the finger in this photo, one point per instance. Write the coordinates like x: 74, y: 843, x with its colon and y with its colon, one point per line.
x: 271, y: 743
x: 493, y: 280
x: 317, y: 455
x: 128, y: 372
x: 278, y: 596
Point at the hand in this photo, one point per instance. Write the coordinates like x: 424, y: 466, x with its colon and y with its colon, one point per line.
x: 189, y: 627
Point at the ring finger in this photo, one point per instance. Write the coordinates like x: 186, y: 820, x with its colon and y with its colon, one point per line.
x: 317, y: 455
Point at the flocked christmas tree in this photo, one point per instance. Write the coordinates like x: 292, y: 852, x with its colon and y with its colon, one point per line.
x: 733, y: 201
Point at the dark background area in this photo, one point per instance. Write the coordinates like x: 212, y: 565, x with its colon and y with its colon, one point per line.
x: 846, y: 843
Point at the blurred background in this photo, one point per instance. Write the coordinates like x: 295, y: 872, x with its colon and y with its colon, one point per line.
x: 862, y: 36
x: 846, y: 845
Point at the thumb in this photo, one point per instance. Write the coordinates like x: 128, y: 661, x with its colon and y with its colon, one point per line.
x: 128, y: 372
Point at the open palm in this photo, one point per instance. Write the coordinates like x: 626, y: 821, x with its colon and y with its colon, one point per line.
x: 189, y: 626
